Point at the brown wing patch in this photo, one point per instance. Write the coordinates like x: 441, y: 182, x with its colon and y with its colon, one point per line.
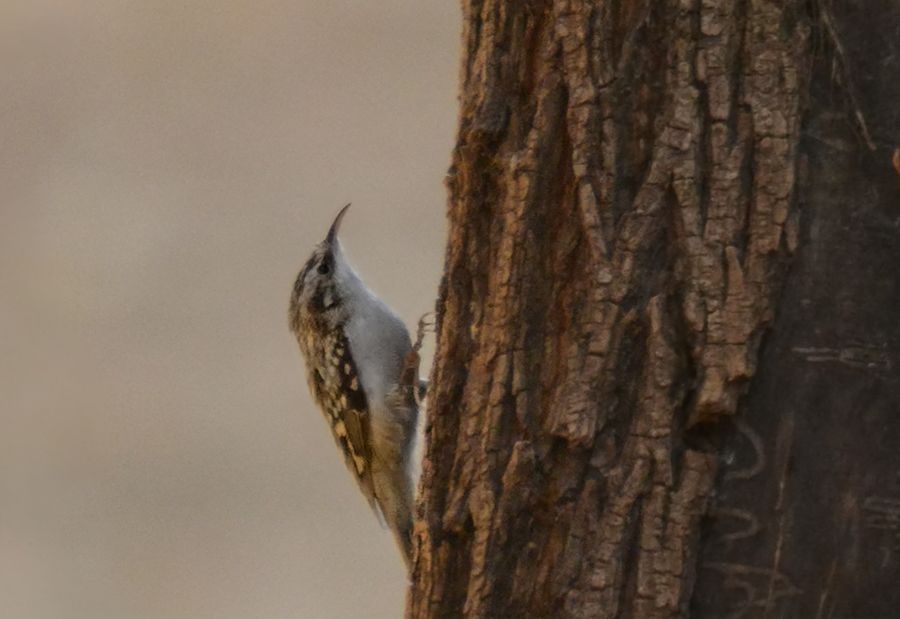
x: 336, y: 388
x: 352, y: 429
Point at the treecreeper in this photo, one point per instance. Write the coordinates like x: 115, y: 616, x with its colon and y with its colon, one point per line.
x: 362, y: 369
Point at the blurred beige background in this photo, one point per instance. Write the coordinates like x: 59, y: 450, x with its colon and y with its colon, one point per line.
x: 165, y: 169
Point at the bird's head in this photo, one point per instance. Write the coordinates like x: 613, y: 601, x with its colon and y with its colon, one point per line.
x: 318, y: 285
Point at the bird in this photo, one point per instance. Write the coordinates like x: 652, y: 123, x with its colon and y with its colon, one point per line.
x: 362, y: 372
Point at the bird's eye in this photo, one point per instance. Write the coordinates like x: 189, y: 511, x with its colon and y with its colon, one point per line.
x: 324, y: 268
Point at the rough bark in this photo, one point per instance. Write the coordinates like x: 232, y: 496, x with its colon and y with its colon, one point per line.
x: 630, y: 189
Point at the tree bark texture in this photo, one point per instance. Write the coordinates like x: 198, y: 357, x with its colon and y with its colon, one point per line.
x: 639, y: 192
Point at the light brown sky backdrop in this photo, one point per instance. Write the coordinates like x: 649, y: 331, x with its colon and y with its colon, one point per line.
x: 165, y: 169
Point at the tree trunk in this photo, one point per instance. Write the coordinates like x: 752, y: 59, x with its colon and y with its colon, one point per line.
x: 666, y: 381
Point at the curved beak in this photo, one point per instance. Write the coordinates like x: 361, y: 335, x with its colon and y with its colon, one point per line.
x: 333, y: 232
